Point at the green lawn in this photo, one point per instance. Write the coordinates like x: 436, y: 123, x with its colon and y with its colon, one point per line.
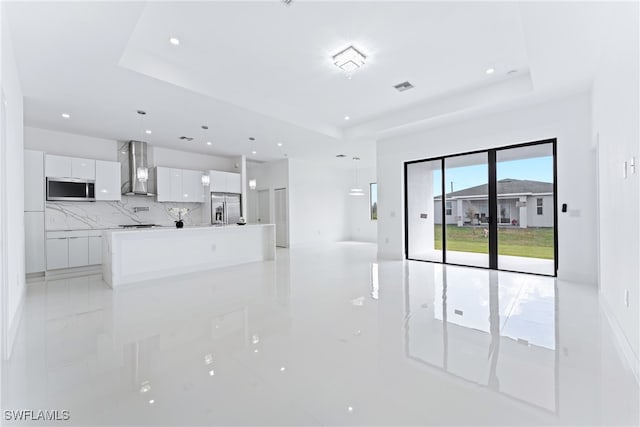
x: 525, y: 242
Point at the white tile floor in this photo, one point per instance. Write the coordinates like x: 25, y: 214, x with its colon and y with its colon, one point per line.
x: 322, y: 336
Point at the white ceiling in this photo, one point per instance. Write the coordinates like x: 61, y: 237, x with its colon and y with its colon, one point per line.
x: 263, y: 69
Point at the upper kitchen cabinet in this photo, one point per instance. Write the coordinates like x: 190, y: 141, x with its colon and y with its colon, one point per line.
x: 108, y: 185
x: 225, y: 182
x: 179, y: 185
x: 69, y: 167
x: 33, y: 181
x: 83, y: 168
x: 57, y: 166
x: 192, y: 189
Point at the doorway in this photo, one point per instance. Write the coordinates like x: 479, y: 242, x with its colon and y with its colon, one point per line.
x: 281, y: 217
x: 262, y: 214
x: 493, y: 209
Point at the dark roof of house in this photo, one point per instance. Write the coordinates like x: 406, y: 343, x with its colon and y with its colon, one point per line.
x: 505, y: 186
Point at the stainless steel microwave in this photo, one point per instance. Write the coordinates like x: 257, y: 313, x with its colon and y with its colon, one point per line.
x: 71, y: 190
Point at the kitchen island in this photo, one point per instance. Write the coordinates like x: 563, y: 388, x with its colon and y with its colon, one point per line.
x: 130, y: 256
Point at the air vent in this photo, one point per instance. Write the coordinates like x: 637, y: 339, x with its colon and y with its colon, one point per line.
x: 186, y: 138
x: 401, y: 87
x: 287, y: 2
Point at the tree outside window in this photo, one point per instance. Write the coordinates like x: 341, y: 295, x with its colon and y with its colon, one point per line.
x: 373, y: 201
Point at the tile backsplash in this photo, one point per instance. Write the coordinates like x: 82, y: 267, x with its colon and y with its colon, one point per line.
x: 98, y: 215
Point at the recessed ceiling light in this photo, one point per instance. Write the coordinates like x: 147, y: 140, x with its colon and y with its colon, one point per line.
x: 347, y: 118
x: 148, y: 132
x: 349, y: 59
x: 65, y: 115
x: 254, y: 152
x: 490, y: 71
x: 208, y: 142
x: 251, y: 138
x: 279, y: 144
x: 174, y: 41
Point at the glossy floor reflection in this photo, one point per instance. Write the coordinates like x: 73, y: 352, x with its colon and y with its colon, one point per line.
x: 322, y: 336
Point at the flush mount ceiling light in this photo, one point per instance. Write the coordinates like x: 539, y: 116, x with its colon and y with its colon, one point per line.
x: 65, y: 115
x: 174, y: 41
x: 254, y: 152
x: 347, y: 118
x: 279, y: 144
x: 349, y: 59
x: 148, y: 132
x: 490, y: 70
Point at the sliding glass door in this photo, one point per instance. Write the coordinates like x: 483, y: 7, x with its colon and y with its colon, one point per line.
x: 467, y: 197
x: 492, y: 209
x: 526, y: 209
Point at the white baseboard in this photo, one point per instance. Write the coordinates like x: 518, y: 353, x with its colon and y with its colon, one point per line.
x: 66, y: 273
x: 622, y: 343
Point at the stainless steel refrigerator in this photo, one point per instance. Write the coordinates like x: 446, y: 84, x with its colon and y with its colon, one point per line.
x: 226, y: 208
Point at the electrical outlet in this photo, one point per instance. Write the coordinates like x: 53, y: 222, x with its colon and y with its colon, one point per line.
x: 626, y: 298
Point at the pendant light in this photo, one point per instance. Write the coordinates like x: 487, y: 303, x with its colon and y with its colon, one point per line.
x: 356, y: 190
x: 142, y: 173
x: 206, y: 180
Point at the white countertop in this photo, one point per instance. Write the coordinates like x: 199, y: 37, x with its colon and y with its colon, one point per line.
x: 186, y: 227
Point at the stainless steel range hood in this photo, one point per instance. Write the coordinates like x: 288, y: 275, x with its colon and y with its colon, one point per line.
x: 138, y: 173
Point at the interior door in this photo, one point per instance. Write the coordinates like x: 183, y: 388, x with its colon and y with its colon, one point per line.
x: 282, y: 218
x: 263, y: 207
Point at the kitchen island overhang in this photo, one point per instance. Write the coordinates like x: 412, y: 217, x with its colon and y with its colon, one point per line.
x: 130, y: 256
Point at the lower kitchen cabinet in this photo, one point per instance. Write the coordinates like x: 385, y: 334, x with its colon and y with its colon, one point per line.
x: 34, y: 242
x: 57, y: 253
x: 78, y: 251
x: 67, y: 249
x: 95, y: 250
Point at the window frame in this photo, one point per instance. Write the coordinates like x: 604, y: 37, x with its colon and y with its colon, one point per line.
x: 540, y: 205
x: 371, y: 218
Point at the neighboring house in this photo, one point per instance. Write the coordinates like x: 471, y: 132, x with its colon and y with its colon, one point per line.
x: 521, y: 203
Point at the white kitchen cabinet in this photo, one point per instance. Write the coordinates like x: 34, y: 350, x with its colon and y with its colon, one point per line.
x: 225, y: 182
x: 78, y: 251
x: 57, y: 253
x: 33, y: 180
x: 34, y: 241
x: 176, y: 185
x: 179, y: 185
x: 107, y: 180
x: 57, y: 166
x: 163, y: 184
x: 217, y: 181
x: 192, y: 189
x: 95, y: 250
x: 83, y: 168
x: 234, y: 183
x: 69, y: 167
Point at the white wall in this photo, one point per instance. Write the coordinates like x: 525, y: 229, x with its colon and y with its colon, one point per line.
x: 12, y: 176
x: 74, y: 145
x: 361, y: 227
x: 69, y: 144
x: 567, y: 119
x: 269, y: 176
x: 616, y: 132
x: 197, y: 161
x: 318, y: 195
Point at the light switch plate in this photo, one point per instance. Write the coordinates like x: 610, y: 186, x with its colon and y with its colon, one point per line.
x: 632, y: 165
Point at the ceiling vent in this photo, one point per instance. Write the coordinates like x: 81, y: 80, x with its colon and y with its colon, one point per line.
x: 186, y: 138
x: 401, y: 87
x: 340, y: 156
x: 287, y: 2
